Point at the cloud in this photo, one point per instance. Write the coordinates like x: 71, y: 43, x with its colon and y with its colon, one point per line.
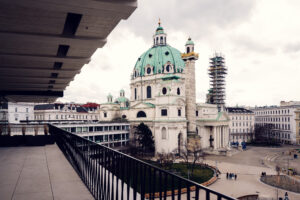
x: 193, y: 17
x: 258, y: 38
x: 292, y: 48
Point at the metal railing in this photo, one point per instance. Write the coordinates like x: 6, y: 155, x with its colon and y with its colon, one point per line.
x: 110, y: 174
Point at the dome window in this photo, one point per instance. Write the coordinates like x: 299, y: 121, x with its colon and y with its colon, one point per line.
x: 139, y: 59
x: 168, y: 68
x: 178, y: 91
x: 148, y: 70
x: 150, y: 55
x: 167, y: 53
x: 164, y: 91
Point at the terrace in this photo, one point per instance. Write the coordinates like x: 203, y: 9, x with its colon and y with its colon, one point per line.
x: 94, y: 171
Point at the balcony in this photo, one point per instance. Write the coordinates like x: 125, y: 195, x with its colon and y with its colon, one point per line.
x: 93, y: 172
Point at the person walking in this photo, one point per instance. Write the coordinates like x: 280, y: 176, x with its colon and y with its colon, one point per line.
x: 227, y: 175
x: 235, y: 176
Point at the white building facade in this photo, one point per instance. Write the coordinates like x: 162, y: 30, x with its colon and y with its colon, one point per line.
x: 163, y: 96
x: 241, y: 126
x: 16, y: 112
x: 66, y: 112
x: 281, y: 120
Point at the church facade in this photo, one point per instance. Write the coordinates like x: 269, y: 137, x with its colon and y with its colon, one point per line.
x: 163, y: 96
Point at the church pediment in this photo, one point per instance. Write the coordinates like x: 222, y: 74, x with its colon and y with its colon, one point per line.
x: 222, y: 116
x: 142, y: 105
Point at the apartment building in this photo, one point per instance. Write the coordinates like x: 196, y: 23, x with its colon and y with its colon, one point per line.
x: 16, y: 112
x: 66, y: 112
x: 241, y: 126
x: 280, y: 120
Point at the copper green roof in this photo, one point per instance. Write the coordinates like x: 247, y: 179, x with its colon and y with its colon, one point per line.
x: 170, y: 77
x: 159, y: 30
x: 157, y: 57
x: 121, y: 99
x: 189, y: 42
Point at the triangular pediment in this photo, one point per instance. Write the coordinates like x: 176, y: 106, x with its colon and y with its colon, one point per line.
x: 223, y: 116
x: 142, y: 105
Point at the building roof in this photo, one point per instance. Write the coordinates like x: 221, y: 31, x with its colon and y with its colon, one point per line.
x: 81, y: 109
x: 237, y: 110
x: 44, y: 107
x: 121, y: 100
x: 158, y: 56
x: 90, y: 105
x: 189, y: 42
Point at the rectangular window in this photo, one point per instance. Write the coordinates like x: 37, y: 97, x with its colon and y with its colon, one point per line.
x: 16, y: 109
x: 26, y: 109
x: 197, y: 113
x: 179, y: 112
x: 164, y: 112
x: 105, y: 114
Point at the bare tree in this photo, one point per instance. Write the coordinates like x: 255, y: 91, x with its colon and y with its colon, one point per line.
x: 166, y: 160
x: 191, y: 153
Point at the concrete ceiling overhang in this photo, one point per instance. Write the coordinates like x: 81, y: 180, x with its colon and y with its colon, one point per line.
x: 45, y: 43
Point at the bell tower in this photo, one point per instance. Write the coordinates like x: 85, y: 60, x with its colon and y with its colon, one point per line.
x: 189, y: 57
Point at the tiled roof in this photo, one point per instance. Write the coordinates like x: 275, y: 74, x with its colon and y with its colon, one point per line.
x: 237, y: 110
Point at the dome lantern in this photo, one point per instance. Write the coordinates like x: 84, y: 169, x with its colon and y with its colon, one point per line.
x: 189, y: 45
x: 109, y: 98
x: 159, y: 38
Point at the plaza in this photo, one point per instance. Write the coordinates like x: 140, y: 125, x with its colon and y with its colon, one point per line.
x: 248, y: 165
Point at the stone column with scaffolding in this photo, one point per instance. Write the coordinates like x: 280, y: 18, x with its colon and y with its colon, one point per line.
x: 217, y: 72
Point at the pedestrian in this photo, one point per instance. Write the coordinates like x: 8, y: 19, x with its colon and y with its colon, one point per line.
x: 235, y: 176
x: 227, y: 175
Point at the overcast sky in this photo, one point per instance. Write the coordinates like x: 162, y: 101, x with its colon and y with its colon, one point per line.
x: 259, y: 38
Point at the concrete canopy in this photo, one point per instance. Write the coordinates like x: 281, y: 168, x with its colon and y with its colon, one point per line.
x: 45, y: 43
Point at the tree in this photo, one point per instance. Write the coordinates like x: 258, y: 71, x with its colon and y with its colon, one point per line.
x: 191, y: 153
x: 144, y: 137
x: 166, y: 160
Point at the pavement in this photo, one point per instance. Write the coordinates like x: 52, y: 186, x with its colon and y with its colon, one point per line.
x: 248, y: 166
x: 39, y: 173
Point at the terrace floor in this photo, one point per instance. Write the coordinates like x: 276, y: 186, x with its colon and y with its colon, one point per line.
x: 39, y: 173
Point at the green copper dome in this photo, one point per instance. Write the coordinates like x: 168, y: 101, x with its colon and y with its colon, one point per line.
x: 157, y: 57
x: 121, y: 99
x: 189, y: 42
x: 159, y: 30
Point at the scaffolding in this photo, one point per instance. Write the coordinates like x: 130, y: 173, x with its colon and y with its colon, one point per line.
x: 217, y: 72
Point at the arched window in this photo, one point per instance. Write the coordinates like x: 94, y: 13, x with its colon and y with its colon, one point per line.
x: 161, y: 40
x: 164, y: 91
x: 164, y: 133
x: 188, y: 50
x: 168, y: 68
x: 148, y: 92
x: 157, y: 40
x: 178, y: 91
x: 135, y: 93
x: 141, y: 114
x: 148, y: 70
